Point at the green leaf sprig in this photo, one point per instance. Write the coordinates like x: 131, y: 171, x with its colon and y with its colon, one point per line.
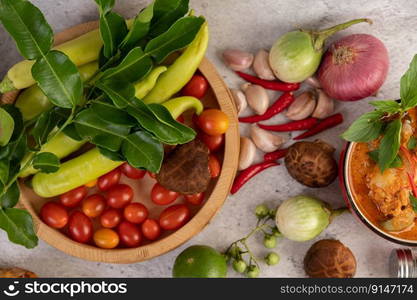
x: 386, y: 121
x: 102, y: 110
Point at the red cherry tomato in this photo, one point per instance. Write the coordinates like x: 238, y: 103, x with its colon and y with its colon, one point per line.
x: 196, y: 87
x: 174, y: 217
x: 135, y: 213
x: 110, y: 218
x: 214, y: 166
x: 108, y: 180
x: 152, y: 175
x: 162, y: 196
x: 213, y: 142
x: 119, y: 196
x: 80, y: 227
x: 129, y: 234
x: 93, y: 205
x: 151, y: 229
x: 54, y: 215
x: 195, y: 199
x: 213, y: 121
x: 132, y: 172
x: 73, y: 197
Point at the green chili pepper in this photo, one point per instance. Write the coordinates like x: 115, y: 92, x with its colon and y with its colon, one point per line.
x: 181, y: 71
x: 33, y: 101
x: 143, y: 87
x: 61, y: 145
x: 177, y: 106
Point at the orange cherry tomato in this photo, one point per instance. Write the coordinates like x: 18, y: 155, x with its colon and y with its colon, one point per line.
x: 110, y: 218
x: 108, y: 180
x: 129, y: 234
x: 196, y: 87
x: 213, y: 121
x: 213, y: 142
x: 54, y: 215
x: 174, y: 217
x: 91, y: 184
x: 132, y: 172
x: 162, y: 196
x: 195, y: 199
x: 73, y: 197
x: 120, y: 195
x: 135, y: 213
x: 80, y: 227
x: 106, y: 238
x: 151, y: 229
x: 214, y: 166
x: 93, y: 205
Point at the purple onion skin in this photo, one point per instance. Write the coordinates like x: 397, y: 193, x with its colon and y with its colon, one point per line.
x: 354, y: 67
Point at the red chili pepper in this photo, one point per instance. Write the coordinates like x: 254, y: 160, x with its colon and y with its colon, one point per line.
x: 412, y: 184
x: 327, y: 123
x: 250, y: 172
x: 291, y: 126
x: 279, y: 105
x: 272, y: 156
x: 410, y: 159
x: 275, y: 85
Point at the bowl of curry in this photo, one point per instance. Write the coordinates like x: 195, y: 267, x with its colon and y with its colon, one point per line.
x: 381, y: 200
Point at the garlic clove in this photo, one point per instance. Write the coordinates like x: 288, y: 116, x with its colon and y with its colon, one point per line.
x: 257, y: 98
x: 237, y: 60
x: 240, y: 100
x: 247, y: 153
x: 313, y: 81
x: 261, y: 65
x: 264, y: 140
x: 302, y: 107
x: 325, y: 105
x: 244, y: 86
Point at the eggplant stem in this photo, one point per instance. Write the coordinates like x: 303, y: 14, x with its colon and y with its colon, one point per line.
x: 319, y: 37
x: 337, y: 212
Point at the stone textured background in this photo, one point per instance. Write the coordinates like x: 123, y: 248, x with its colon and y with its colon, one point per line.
x: 248, y: 24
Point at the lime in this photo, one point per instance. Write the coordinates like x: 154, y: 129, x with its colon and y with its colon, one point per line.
x: 200, y: 262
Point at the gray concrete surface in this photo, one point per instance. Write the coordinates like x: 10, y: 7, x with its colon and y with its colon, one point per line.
x: 248, y: 24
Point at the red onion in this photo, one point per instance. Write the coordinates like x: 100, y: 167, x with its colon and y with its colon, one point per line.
x: 354, y: 67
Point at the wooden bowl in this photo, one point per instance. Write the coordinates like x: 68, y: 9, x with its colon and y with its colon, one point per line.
x: 218, y: 96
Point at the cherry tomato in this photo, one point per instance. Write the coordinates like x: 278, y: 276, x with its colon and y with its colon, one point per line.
x: 152, y: 175
x: 151, y: 229
x: 93, y: 205
x: 73, y: 197
x: 132, y: 172
x: 106, y: 238
x: 54, y: 215
x: 108, y: 180
x: 213, y: 142
x: 110, y: 218
x: 174, y: 217
x: 119, y: 196
x: 196, y: 87
x: 130, y: 235
x: 80, y: 227
x: 135, y: 213
x: 195, y: 199
x: 91, y: 184
x: 213, y: 121
x: 214, y: 166
x: 162, y: 196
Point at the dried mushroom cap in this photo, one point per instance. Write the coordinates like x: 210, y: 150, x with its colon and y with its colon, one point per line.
x: 185, y: 170
x: 16, y: 273
x: 329, y: 259
x: 311, y: 163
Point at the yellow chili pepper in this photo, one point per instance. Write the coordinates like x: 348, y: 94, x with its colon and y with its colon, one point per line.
x: 33, y: 101
x: 143, y: 87
x: 91, y: 184
x: 177, y: 106
x: 181, y: 71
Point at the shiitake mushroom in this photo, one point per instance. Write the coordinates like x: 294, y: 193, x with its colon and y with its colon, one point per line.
x: 311, y: 163
x: 329, y: 259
